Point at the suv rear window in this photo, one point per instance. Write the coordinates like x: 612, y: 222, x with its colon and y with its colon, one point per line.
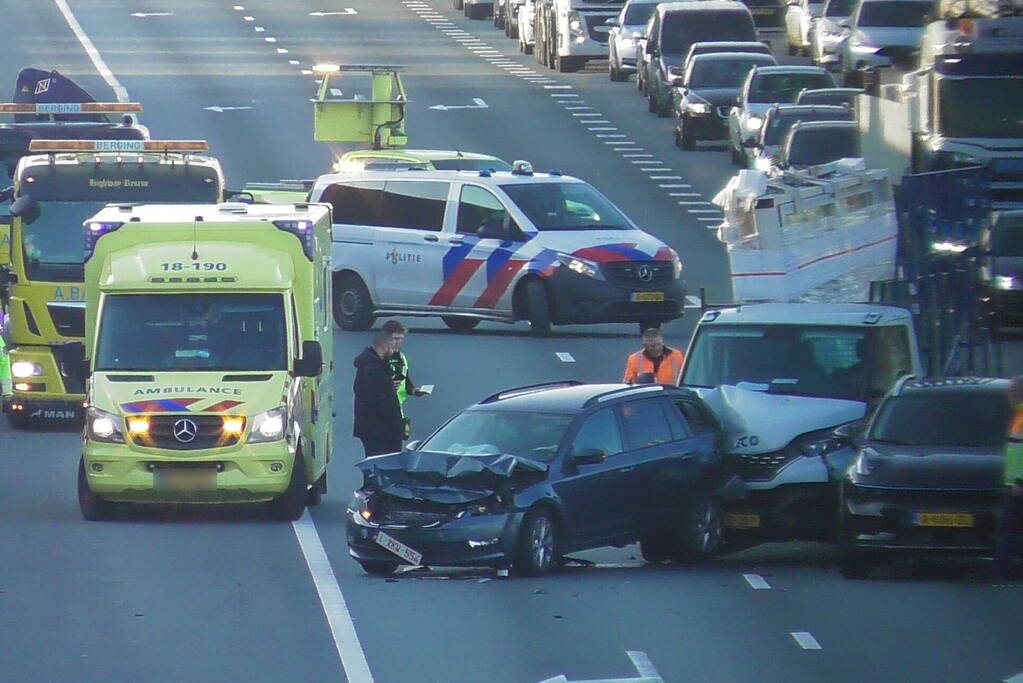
x: 682, y: 29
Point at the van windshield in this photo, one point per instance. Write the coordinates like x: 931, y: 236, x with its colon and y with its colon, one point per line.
x: 682, y: 29
x: 566, y: 206
x: 785, y: 87
x: 192, y: 332
x: 894, y: 13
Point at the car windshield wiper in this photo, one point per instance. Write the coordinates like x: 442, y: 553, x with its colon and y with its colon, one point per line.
x: 892, y: 442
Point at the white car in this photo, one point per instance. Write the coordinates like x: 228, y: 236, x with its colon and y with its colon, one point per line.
x: 526, y: 38
x: 828, y: 32
x: 799, y: 18
x: 765, y: 87
x: 626, y: 28
x: 885, y: 33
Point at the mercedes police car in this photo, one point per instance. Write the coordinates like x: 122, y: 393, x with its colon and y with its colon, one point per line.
x: 505, y: 246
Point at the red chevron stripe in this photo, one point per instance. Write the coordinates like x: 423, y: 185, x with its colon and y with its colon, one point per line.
x: 223, y: 406
x: 497, y: 287
x: 455, y: 282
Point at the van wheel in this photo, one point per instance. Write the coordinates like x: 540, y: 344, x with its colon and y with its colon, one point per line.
x: 655, y: 549
x: 314, y: 496
x: 290, y: 505
x: 353, y: 308
x: 698, y: 536
x: 460, y: 324
x: 539, y: 309
x: 93, y: 508
x: 378, y: 567
x: 537, y: 544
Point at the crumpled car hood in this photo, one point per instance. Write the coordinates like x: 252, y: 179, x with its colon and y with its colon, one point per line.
x: 444, y: 477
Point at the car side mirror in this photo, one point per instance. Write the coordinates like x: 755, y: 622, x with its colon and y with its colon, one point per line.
x: 311, y: 362
x: 412, y: 445
x: 848, y: 433
x: 613, y: 21
x: 845, y: 23
x: 25, y: 208
x: 589, y: 456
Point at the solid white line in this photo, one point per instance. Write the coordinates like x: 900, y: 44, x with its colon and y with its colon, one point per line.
x: 709, y: 220
x: 683, y: 194
x: 565, y: 357
x: 600, y: 127
x: 756, y: 581
x: 717, y: 211
x: 342, y: 628
x: 609, y: 135
x: 563, y: 94
x: 97, y: 61
x: 693, y: 203
x: 644, y: 667
x: 806, y: 640
x: 628, y: 149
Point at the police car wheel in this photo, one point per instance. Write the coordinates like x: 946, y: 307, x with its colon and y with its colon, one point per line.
x: 290, y: 505
x: 353, y: 308
x: 539, y: 309
x: 93, y: 508
x: 460, y: 324
x: 378, y: 567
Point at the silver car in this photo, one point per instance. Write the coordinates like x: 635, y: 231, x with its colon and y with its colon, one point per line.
x: 885, y: 33
x: 625, y: 29
x: 525, y: 23
x: 828, y: 32
x: 799, y: 18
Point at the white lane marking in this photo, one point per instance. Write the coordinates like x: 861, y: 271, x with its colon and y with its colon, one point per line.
x: 674, y: 185
x: 628, y: 149
x: 342, y: 628
x: 577, y: 108
x: 270, y: 39
x: 692, y: 202
x: 609, y: 135
x: 346, y: 10
x: 1018, y: 678
x: 693, y: 301
x: 756, y: 581
x: 655, y: 169
x: 143, y: 15
x: 480, y: 104
x: 565, y: 357
x: 294, y: 61
x: 640, y: 661
x: 806, y: 640
x: 710, y: 220
x: 586, y: 113
x: 282, y: 51
x: 259, y: 29
x: 599, y: 127
x: 683, y: 194
x: 619, y: 142
x: 247, y: 18
x: 717, y: 211
x: 631, y: 156
x: 557, y: 87
x: 97, y: 61
x: 666, y: 177
x: 239, y: 8
x: 221, y: 110
x: 563, y: 94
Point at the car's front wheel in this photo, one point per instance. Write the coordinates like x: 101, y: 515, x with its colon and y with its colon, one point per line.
x: 537, y: 543
x: 93, y: 508
x: 290, y: 505
x: 353, y: 308
x: 698, y: 535
x: 539, y: 309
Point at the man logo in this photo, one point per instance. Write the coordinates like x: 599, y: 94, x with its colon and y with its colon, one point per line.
x: 645, y: 273
x: 185, y: 430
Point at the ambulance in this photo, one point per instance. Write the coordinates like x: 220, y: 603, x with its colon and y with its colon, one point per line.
x: 208, y: 346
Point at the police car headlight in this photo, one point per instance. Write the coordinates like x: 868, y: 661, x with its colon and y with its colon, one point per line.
x: 753, y: 123
x: 582, y: 266
x: 104, y: 426
x: 23, y: 368
x: 269, y: 426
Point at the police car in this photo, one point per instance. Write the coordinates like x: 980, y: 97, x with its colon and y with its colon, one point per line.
x: 504, y: 246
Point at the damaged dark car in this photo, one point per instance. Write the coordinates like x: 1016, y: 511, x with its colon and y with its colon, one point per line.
x: 530, y: 474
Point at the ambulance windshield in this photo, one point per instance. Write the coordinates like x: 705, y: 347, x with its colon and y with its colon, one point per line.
x: 192, y: 332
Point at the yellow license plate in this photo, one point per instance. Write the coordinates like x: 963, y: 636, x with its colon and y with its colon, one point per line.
x: 761, y: 12
x: 648, y: 296
x: 954, y: 519
x: 186, y: 480
x: 739, y: 521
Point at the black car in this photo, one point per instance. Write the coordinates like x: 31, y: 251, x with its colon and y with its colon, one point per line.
x: 929, y: 472
x: 1001, y: 247
x: 529, y: 474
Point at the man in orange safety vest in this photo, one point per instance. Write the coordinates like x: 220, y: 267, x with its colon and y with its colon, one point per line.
x: 655, y: 360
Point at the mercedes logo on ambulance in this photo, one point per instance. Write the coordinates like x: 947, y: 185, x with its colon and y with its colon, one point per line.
x: 185, y: 430
x: 645, y: 273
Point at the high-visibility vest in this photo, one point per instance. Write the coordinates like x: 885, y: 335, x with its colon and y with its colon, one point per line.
x: 1014, y: 448
x: 667, y: 372
x: 5, y: 369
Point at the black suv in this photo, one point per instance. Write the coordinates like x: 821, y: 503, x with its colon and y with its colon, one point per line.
x: 929, y: 472
x: 532, y: 473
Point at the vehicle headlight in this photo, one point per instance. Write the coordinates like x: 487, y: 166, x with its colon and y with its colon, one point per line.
x: 861, y: 46
x: 762, y: 164
x: 863, y: 466
x: 966, y: 159
x: 581, y: 265
x: 753, y: 123
x: 359, y: 506
x: 104, y: 426
x: 676, y: 263
x: 818, y: 444
x: 1006, y: 282
x: 23, y: 368
x: 699, y: 108
x: 269, y: 426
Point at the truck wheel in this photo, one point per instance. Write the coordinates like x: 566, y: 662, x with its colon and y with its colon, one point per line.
x: 539, y: 309
x: 93, y: 508
x: 698, y: 535
x: 378, y: 567
x: 651, y: 102
x: 537, y: 544
x: 456, y: 4
x: 19, y: 421
x: 290, y: 505
x: 353, y: 308
x: 460, y: 324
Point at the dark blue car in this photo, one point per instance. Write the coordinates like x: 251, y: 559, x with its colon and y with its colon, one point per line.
x: 530, y: 474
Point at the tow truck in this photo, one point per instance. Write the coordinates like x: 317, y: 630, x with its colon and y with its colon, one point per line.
x: 207, y: 330
x: 57, y: 187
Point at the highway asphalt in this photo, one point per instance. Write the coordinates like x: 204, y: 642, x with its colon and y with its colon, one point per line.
x: 181, y: 594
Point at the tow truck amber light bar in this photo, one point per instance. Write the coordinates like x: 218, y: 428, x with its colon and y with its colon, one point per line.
x: 118, y: 146
x: 70, y: 108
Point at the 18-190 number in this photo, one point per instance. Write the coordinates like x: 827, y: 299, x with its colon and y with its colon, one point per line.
x: 207, y: 266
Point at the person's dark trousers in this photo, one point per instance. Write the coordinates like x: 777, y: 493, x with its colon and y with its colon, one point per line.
x: 1009, y: 540
x: 380, y: 446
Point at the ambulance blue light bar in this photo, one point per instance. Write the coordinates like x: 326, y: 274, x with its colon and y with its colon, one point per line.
x: 303, y: 230
x: 94, y: 230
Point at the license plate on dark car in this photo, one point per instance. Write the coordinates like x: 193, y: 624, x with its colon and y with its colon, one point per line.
x: 648, y: 296
x: 410, y: 555
x: 945, y: 519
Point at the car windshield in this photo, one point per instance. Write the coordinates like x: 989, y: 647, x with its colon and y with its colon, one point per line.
x: 1007, y: 240
x: 536, y: 436
x: 777, y: 126
x: 1003, y: 107
x: 471, y: 165
x: 894, y: 13
x: 943, y: 418
x: 682, y: 29
x: 54, y: 243
x: 785, y: 87
x: 839, y: 8
x: 722, y: 73
x: 566, y: 206
x: 813, y: 146
x: 192, y: 332
x: 637, y: 13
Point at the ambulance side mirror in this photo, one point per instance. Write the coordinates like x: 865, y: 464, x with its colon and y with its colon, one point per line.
x: 25, y: 208
x: 73, y: 361
x: 311, y: 362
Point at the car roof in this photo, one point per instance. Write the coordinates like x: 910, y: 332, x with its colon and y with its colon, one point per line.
x: 807, y: 314
x: 818, y: 125
x: 487, y: 177
x: 807, y: 109
x: 790, y: 69
x: 700, y: 6
x: 909, y: 386
x: 414, y: 154
x: 717, y: 56
x: 572, y: 397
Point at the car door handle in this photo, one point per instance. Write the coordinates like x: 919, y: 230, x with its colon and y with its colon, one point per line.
x: 430, y: 238
x: 625, y: 470
x: 456, y: 240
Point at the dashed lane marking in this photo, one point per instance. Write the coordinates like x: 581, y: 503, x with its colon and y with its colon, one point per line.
x: 565, y: 357
x: 806, y: 640
x: 756, y: 581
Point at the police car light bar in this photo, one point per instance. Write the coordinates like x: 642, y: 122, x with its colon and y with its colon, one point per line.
x: 118, y: 146
x: 70, y: 108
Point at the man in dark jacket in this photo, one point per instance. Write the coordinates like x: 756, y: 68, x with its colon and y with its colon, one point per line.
x: 378, y: 421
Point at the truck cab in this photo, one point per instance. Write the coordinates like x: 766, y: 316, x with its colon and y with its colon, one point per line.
x: 568, y: 33
x: 781, y: 378
x: 208, y: 346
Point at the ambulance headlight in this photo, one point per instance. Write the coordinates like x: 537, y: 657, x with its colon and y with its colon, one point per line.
x: 582, y: 266
x: 23, y: 368
x: 104, y: 426
x: 269, y: 426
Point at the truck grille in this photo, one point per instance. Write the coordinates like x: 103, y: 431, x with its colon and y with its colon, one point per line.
x: 759, y: 467
x: 68, y: 319
x: 209, y: 433
x: 640, y: 274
